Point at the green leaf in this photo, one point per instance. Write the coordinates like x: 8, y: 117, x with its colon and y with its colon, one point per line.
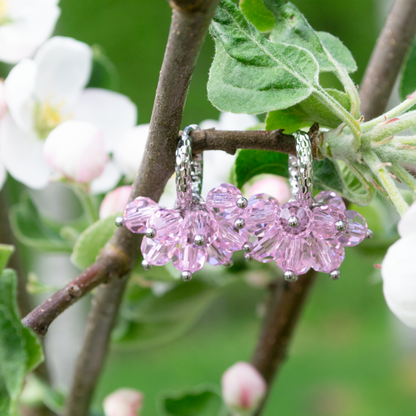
x: 91, y: 241
x: 327, y: 176
x: 104, y: 73
x: 199, y: 401
x: 292, y: 27
x: 250, y: 163
x: 35, y: 231
x: 149, y: 320
x: 408, y: 79
x: 251, y: 74
x: 20, y: 349
x: 306, y: 113
x: 5, y: 252
x: 258, y: 14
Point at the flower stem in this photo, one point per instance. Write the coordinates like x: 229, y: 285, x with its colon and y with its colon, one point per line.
x: 86, y: 202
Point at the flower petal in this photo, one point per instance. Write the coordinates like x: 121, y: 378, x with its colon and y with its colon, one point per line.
x: 75, y: 149
x: 113, y: 113
x: 130, y: 149
x: 31, y: 23
x: 107, y: 180
x: 22, y: 154
x: 407, y: 225
x: 19, y: 87
x: 3, y: 175
x: 399, y: 279
x: 231, y: 121
x: 64, y: 68
x: 115, y: 201
x: 3, y: 104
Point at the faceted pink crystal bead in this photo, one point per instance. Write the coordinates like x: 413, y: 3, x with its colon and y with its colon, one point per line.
x: 167, y: 224
x: 325, y: 218
x: 189, y: 258
x: 264, y: 248
x: 217, y: 254
x: 327, y: 255
x: 223, y: 201
x: 294, y: 255
x: 137, y: 212
x: 230, y: 237
x: 330, y: 198
x: 156, y: 254
x: 356, y: 229
x: 199, y: 221
x: 260, y: 213
x: 295, y: 210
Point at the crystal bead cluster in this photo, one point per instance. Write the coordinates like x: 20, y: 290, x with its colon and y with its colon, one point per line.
x: 190, y: 234
x: 299, y: 237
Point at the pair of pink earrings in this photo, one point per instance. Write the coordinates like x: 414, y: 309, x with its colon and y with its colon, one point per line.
x: 302, y: 234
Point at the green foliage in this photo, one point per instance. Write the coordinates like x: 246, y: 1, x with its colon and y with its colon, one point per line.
x: 91, y: 241
x: 258, y: 14
x: 36, y: 231
x: 20, y: 350
x: 251, y: 74
x: 199, y: 401
x: 250, y: 163
x: 104, y: 73
x: 306, y: 113
x: 408, y: 79
x: 148, y: 320
x: 5, y: 252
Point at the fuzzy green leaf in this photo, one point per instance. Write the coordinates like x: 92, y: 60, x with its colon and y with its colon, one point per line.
x: 20, y: 349
x: 306, y: 113
x: 35, y: 231
x: 251, y: 74
x: 91, y: 241
x: 250, y: 163
x: 5, y: 252
x: 258, y: 14
x: 291, y: 27
x: 199, y: 401
x: 148, y: 320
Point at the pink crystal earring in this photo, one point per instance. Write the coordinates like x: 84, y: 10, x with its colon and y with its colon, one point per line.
x: 193, y: 232
x: 305, y: 232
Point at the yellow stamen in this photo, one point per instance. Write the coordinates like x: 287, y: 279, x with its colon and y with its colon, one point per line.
x: 47, y: 117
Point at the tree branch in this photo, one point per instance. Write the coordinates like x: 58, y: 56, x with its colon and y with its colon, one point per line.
x: 285, y: 305
x: 387, y: 58
x: 186, y: 36
x: 91, y: 359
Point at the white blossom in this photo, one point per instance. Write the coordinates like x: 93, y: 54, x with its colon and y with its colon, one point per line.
x: 24, y: 26
x: 48, y: 90
x: 399, y: 271
x: 115, y: 201
x: 243, y: 388
x: 123, y: 402
x: 273, y: 185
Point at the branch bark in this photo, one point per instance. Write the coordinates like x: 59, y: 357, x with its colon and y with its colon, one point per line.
x: 186, y: 36
x: 101, y: 321
x: 387, y: 58
x: 283, y: 312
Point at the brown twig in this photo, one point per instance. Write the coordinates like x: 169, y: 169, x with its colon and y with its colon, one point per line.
x: 387, y: 58
x: 186, y: 36
x: 285, y: 303
x: 90, y: 361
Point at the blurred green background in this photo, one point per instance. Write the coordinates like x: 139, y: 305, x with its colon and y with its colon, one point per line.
x: 349, y: 356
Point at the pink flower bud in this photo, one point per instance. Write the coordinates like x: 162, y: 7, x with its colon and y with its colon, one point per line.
x: 115, y: 201
x: 273, y: 185
x: 76, y: 150
x: 123, y: 402
x: 243, y: 388
x: 3, y: 104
